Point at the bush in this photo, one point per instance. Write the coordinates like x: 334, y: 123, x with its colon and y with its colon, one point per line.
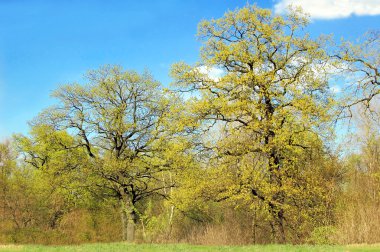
x: 323, y: 235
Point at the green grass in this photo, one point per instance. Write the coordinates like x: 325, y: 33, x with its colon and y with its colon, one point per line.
x: 184, y: 247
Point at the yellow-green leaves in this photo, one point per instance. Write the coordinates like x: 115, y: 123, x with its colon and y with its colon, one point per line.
x: 268, y: 110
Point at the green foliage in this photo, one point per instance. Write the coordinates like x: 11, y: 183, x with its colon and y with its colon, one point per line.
x: 323, y: 235
x: 269, y: 110
x: 117, y: 133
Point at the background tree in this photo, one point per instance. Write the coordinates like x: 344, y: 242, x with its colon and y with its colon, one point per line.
x: 359, y: 65
x: 45, y: 193
x: 358, y: 218
x: 66, y: 169
x: 7, y: 165
x: 22, y: 206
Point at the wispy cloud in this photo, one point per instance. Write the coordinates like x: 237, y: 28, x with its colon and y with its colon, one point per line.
x: 331, y: 9
x: 335, y: 89
x: 213, y: 73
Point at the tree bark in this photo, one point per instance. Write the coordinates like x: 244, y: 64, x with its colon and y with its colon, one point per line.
x: 123, y: 218
x: 277, y: 210
x: 131, y: 225
x: 128, y: 218
x: 280, y: 215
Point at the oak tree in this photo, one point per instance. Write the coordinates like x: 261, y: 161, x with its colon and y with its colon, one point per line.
x: 271, y: 103
x: 124, y: 122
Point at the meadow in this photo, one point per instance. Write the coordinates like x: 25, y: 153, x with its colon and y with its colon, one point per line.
x: 184, y: 247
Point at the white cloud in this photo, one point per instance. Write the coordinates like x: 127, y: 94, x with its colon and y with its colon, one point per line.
x: 331, y: 9
x: 213, y: 73
x: 335, y: 89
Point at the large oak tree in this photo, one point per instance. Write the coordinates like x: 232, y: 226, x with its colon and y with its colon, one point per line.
x: 271, y: 99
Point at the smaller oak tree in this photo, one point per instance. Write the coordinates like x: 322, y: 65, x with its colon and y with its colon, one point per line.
x: 123, y: 121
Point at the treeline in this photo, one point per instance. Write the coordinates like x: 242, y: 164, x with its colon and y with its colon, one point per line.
x: 240, y: 149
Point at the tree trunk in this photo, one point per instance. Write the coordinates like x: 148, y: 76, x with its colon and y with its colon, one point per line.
x: 128, y: 219
x: 282, y: 237
x: 131, y: 224
x: 123, y: 217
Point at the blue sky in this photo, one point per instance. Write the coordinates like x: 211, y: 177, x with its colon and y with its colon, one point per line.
x: 47, y: 43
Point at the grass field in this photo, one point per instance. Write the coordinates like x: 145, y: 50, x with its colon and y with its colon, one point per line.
x: 183, y: 247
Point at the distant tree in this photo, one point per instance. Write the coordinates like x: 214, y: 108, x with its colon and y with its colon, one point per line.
x: 61, y: 170
x: 20, y: 204
x: 272, y: 104
x: 358, y: 218
x: 359, y: 65
x: 7, y: 164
